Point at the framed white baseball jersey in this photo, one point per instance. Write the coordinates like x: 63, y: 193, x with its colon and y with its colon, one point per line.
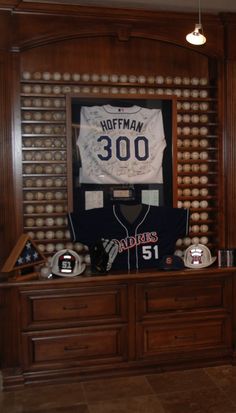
x: 121, y: 145
x: 141, y: 243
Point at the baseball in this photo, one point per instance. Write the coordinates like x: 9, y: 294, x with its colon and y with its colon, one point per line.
x: 203, y: 93
x: 204, y: 240
x: 204, y: 216
x: 186, y: 241
x: 46, y: 75
x: 56, y: 76
x: 180, y: 204
x: 29, y: 209
x: 39, y: 196
x: 186, y: 192
x: 186, y: 155
x: 49, y: 195
x: 38, y: 169
x: 30, y: 222
x: 49, y: 208
x: 195, y: 216
x: 39, y: 182
x: 186, y: 167
x: 195, y: 180
x: 195, y: 228
x: 204, y: 106
x: 177, y: 80
x: 203, y: 167
x: 29, y: 196
x: 37, y: 75
x: 195, y: 240
x: 195, y: 118
x: 195, y: 155
x: 186, y: 105
x: 186, y: 204
x: 203, y: 155
x: 49, y: 234
x: 178, y: 242
x: 39, y: 222
x: 26, y: 75
x: 204, y: 192
x: 203, y: 143
x: 49, y: 247
x: 76, y: 77
x: 195, y: 131
x: 194, y: 106
x: 186, y: 180
x: 186, y: 143
x: 203, y: 179
x: 41, y: 247
x: 48, y: 182
x: 39, y: 209
x: 59, y: 246
x: 186, y: 80
x: 203, y: 130
x: 195, y: 143
x: 38, y: 156
x: 195, y: 192
x: 40, y: 235
x: 186, y: 130
x: 186, y: 93
x: 59, y: 234
x: 204, y: 204
x: 203, y: 81
x: 49, y: 221
x: 204, y: 228
x: 87, y: 259
x: 59, y: 221
x: 195, y: 204
x: 47, y: 156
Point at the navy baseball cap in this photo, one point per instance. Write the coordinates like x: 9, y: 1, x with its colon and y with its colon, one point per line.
x: 171, y: 262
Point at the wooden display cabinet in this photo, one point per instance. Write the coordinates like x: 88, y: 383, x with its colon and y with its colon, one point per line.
x: 92, y: 327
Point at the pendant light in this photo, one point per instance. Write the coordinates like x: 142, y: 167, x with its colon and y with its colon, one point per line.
x: 196, y: 37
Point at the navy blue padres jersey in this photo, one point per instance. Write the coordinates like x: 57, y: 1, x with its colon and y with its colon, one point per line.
x: 142, y: 243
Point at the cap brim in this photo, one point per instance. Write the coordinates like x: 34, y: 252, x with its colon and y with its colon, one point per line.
x: 197, y: 266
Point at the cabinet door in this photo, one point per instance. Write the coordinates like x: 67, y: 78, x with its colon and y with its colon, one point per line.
x: 158, y: 299
x: 80, y: 306
x: 74, y: 347
x: 183, y: 337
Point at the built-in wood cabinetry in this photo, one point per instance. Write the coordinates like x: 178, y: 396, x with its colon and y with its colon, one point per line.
x: 110, y: 325
x: 92, y: 326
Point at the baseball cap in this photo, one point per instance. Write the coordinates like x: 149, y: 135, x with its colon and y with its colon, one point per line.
x: 67, y: 263
x: 171, y: 262
x: 198, y: 256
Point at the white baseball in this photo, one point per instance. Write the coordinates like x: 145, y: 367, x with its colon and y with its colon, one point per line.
x: 195, y: 131
x: 203, y: 155
x: 204, y: 240
x: 203, y: 167
x: 195, y: 240
x: 49, y: 221
x: 39, y: 222
x: 195, y: 216
x: 195, y: 180
x: 204, y: 228
x: 39, y: 209
x: 50, y: 234
x: 203, y: 216
x: 195, y: 204
x: 186, y: 167
x: 204, y: 204
x: 203, y: 191
x: 203, y: 179
x: 50, y: 247
x: 186, y: 143
x: 30, y: 222
x: 186, y: 180
x: 49, y: 208
x: 195, y: 155
x: 40, y: 235
x: 195, y: 192
x: 195, y: 228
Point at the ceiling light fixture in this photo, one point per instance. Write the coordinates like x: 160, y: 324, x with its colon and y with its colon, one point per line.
x: 196, y: 37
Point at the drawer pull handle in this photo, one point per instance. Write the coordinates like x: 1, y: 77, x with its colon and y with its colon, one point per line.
x: 75, y: 348
x: 186, y: 299
x: 193, y: 337
x: 77, y: 307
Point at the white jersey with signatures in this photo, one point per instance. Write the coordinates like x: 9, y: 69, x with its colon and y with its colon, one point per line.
x: 121, y: 145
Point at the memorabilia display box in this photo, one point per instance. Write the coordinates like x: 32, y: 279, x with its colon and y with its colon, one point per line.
x: 119, y: 323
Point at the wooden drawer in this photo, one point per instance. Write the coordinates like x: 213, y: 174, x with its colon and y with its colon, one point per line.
x: 156, y: 298
x: 78, y: 307
x: 74, y: 347
x: 156, y: 339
